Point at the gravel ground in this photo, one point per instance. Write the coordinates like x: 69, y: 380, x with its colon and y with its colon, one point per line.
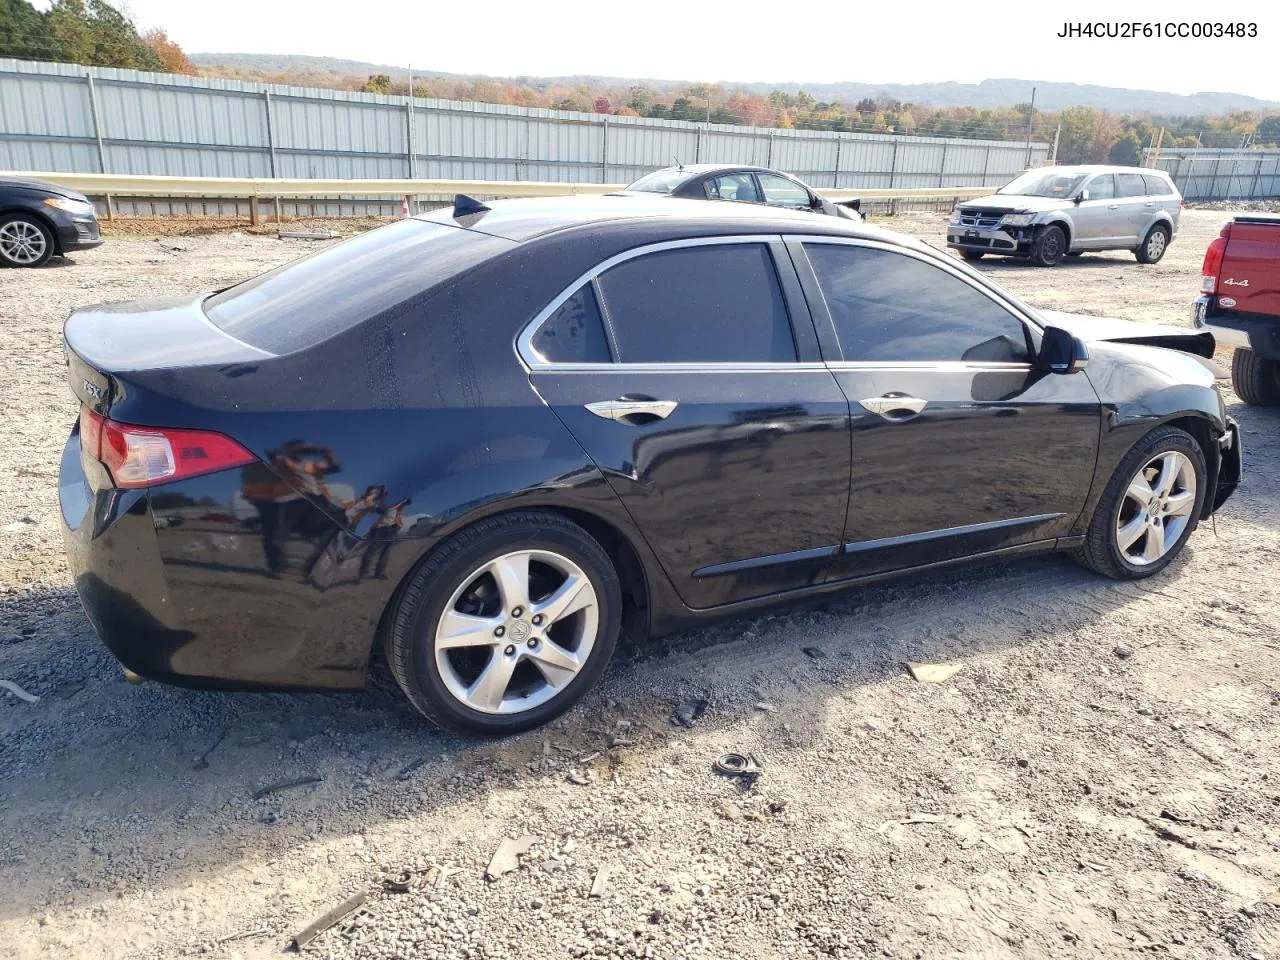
x: 1100, y: 779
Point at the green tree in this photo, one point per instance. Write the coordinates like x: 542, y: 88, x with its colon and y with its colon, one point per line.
x: 641, y: 98
x: 659, y: 111
x: 70, y: 29
x: 24, y: 32
x: 1269, y: 130
x: 1079, y: 134
x: 682, y: 108
x: 1127, y: 151
x: 377, y: 83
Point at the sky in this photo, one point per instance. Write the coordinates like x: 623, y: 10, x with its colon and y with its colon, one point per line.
x: 815, y: 42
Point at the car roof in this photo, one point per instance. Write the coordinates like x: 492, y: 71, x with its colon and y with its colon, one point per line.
x: 523, y: 220
x: 1086, y: 168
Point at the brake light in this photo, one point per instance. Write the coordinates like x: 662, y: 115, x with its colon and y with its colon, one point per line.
x: 145, y: 456
x: 1213, y: 261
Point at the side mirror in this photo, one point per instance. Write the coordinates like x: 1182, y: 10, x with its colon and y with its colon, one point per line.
x: 1062, y: 352
x: 1082, y: 196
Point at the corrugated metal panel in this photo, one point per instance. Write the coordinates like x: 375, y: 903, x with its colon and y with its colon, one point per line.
x: 1209, y: 174
x: 193, y: 126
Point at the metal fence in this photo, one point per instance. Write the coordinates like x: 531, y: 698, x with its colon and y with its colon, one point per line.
x: 1209, y: 174
x: 69, y: 118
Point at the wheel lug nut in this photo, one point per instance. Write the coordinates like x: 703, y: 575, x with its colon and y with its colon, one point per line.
x: 537, y: 620
x: 533, y: 643
x: 511, y: 651
x: 500, y: 631
x: 517, y: 611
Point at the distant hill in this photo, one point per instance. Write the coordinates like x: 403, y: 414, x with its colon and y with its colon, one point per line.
x: 989, y: 94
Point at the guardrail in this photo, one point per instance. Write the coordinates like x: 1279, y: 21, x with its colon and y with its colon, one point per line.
x: 255, y: 188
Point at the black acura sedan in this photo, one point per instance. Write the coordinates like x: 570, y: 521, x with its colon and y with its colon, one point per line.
x: 39, y: 220
x: 743, y: 184
x: 493, y: 437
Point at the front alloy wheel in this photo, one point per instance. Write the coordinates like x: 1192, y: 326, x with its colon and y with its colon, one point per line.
x: 506, y: 624
x: 1149, y: 508
x: 24, y: 242
x: 1157, y: 508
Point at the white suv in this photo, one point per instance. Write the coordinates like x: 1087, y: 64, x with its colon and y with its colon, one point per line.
x: 1054, y: 212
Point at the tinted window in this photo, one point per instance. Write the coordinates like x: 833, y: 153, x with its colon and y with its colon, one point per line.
x: 660, y: 181
x: 781, y: 192
x: 733, y: 186
x: 1102, y: 188
x: 1157, y: 186
x: 1130, y: 185
x: 887, y: 306
x: 703, y: 304
x: 575, y: 332
x: 310, y: 300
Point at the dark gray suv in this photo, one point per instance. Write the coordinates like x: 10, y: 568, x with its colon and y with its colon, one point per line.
x: 1054, y: 212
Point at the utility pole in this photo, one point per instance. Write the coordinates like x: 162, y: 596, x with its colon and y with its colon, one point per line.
x: 1031, y: 119
x: 1053, y: 161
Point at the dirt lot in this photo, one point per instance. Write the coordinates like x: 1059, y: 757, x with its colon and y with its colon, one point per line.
x: 1100, y: 779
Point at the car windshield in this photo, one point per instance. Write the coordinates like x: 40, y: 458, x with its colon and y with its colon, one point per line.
x: 1038, y: 183
x: 660, y: 181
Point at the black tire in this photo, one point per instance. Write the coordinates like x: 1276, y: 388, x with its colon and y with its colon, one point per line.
x: 1100, y: 552
x: 420, y: 605
x: 1049, y: 247
x: 9, y: 255
x: 1074, y: 253
x: 1152, y: 251
x: 972, y: 254
x: 1256, y: 381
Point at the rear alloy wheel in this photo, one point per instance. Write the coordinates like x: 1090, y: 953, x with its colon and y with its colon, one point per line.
x: 1149, y: 509
x: 507, y: 625
x: 1255, y: 380
x: 972, y: 254
x: 1049, y: 247
x: 1154, y: 246
x: 24, y: 241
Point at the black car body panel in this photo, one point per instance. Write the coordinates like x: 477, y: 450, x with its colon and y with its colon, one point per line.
x: 71, y: 231
x: 765, y: 482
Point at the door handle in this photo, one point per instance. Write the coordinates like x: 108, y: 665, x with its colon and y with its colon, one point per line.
x: 1149, y: 203
x: 1114, y: 206
x: 895, y: 407
x: 633, y: 410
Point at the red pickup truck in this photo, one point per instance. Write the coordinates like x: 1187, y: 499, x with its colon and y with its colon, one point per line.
x: 1240, y: 304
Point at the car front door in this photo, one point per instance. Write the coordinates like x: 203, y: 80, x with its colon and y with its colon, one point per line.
x: 1098, y: 220
x: 960, y: 445
x: 690, y: 373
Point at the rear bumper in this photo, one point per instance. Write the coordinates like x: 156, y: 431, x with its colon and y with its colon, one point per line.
x: 175, y: 585
x: 1243, y: 333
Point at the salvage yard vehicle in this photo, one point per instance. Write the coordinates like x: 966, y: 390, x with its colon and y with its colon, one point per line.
x: 39, y: 220
x: 606, y: 413
x: 1239, y: 304
x: 743, y: 184
x: 1053, y: 212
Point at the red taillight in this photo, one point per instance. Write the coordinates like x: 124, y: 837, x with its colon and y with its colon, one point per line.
x: 1213, y: 261
x: 145, y: 456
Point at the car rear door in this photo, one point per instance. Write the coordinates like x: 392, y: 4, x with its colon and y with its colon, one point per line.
x: 690, y: 373
x: 784, y: 192
x: 1139, y: 209
x: 960, y: 446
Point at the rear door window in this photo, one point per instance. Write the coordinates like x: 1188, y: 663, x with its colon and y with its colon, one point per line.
x: 1130, y: 185
x: 733, y: 186
x: 306, y: 302
x: 575, y: 332
x: 1157, y: 186
x: 715, y: 303
x: 888, y: 306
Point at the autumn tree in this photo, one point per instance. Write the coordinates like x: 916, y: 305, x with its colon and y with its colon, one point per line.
x: 171, y: 56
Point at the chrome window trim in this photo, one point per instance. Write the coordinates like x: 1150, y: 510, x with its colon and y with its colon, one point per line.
x: 532, y: 360
x: 1016, y: 309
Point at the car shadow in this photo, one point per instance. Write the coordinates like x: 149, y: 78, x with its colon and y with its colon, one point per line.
x: 170, y: 781
x: 1086, y: 261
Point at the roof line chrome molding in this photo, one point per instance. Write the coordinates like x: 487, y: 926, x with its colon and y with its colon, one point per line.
x: 726, y: 367
x: 1020, y: 310
x: 532, y: 360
